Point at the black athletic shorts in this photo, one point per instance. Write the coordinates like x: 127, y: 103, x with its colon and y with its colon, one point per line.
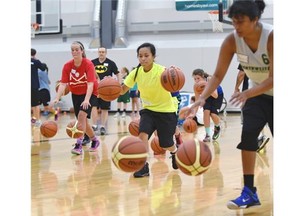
x: 35, y: 97
x: 45, y: 97
x: 77, y: 101
x: 164, y: 123
x: 213, y: 104
x: 257, y: 111
x: 104, y: 105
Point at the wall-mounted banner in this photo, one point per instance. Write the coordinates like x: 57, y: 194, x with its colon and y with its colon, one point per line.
x: 196, y: 5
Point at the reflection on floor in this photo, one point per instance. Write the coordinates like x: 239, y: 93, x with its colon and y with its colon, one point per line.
x: 90, y: 184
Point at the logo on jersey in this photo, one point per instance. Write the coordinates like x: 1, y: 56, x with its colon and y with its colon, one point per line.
x: 76, y: 80
x: 100, y: 68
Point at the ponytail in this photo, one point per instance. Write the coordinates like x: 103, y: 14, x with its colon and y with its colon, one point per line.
x: 261, y: 5
x: 138, y: 66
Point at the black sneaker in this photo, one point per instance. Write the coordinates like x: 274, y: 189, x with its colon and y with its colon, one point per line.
x: 216, y: 132
x: 174, y: 164
x: 142, y: 172
x: 95, y: 128
x: 86, y: 140
x: 102, y: 131
x: 207, y: 138
x: 262, y: 141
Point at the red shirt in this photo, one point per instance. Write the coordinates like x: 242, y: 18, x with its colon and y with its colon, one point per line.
x: 77, y: 78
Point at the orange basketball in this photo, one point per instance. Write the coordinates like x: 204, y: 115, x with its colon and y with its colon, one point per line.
x: 199, y: 87
x: 49, y: 129
x: 189, y: 125
x: 109, y: 89
x: 129, y: 154
x: 67, y: 90
x: 193, y: 157
x: 172, y: 79
x: 74, y: 129
x: 155, y: 146
x: 35, y: 26
x: 133, y: 127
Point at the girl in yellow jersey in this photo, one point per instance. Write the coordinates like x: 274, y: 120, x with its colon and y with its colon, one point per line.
x: 159, y: 110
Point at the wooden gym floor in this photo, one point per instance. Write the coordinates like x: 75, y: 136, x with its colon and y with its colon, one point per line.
x: 64, y: 185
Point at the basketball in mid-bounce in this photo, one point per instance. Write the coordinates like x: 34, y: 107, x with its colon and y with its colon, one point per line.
x: 74, y: 129
x: 193, y: 157
x: 66, y: 91
x: 189, y: 125
x: 49, y: 129
x: 129, y: 154
x: 109, y: 89
x: 133, y: 127
x: 155, y: 146
x: 172, y: 79
x: 199, y: 87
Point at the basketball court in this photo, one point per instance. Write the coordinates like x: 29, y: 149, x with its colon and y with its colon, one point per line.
x: 64, y: 184
x: 90, y: 184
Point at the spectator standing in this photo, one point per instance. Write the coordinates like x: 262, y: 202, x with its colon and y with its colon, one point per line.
x: 35, y: 96
x: 103, y: 67
x: 124, y: 99
x: 44, y: 91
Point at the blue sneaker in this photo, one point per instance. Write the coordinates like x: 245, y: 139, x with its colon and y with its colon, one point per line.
x: 45, y: 113
x: 246, y: 200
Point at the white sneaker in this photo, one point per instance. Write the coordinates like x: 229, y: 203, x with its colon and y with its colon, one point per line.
x: 117, y: 114
x: 123, y: 115
x: 38, y: 123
